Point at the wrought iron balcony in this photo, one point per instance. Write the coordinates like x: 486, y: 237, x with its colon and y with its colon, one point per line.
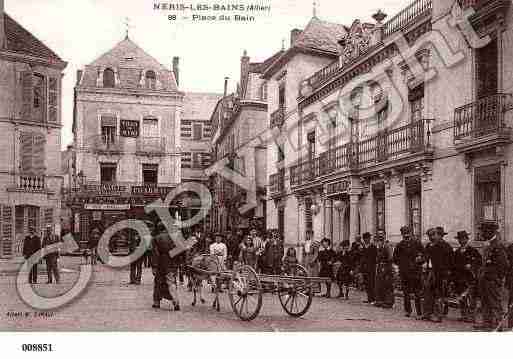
x: 108, y: 144
x: 479, y: 4
x: 387, y: 145
x: 278, y: 117
x: 482, y: 122
x: 151, y: 146
x: 416, y: 11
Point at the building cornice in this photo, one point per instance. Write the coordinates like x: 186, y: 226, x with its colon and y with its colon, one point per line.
x: 32, y: 60
x: 31, y: 123
x: 130, y: 92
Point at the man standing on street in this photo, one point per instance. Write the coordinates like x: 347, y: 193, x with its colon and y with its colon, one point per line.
x: 220, y: 250
x: 51, y: 259
x: 495, y: 267
x: 136, y: 264
x: 164, y: 268
x: 467, y: 262
x: 368, y: 267
x: 31, y: 245
x: 408, y: 256
x: 439, y: 259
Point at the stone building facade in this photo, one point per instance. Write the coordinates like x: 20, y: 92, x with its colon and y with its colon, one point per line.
x: 30, y: 126
x: 237, y: 120
x: 310, y: 50
x: 127, y: 140
x: 410, y: 125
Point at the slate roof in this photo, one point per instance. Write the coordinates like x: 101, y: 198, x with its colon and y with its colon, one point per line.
x: 22, y: 41
x: 130, y: 60
x: 319, y: 37
x: 260, y: 67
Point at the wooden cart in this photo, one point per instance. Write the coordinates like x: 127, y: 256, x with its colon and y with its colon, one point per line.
x: 294, y: 289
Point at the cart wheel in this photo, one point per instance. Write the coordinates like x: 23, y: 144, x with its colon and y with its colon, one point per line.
x: 245, y: 293
x: 296, y: 298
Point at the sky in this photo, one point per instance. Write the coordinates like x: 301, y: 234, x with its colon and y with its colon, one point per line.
x: 79, y: 31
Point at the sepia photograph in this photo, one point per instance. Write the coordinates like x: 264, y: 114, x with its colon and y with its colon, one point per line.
x: 255, y: 167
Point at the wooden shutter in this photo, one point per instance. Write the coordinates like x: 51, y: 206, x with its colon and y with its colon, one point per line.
x: 27, y: 95
x: 26, y: 150
x: 38, y: 154
x: 53, y: 91
x: 7, y: 233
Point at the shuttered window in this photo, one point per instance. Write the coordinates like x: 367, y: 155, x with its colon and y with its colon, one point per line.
x: 32, y: 153
x: 39, y: 98
x: 308, y: 215
x: 27, y: 95
x: 53, y: 97
x: 150, y: 128
x: 197, y: 130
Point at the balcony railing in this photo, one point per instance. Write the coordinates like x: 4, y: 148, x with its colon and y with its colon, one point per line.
x: 108, y: 144
x: 476, y: 4
x: 278, y: 117
x: 151, y: 145
x: 406, y: 16
x: 482, y: 117
x: 30, y: 183
x: 386, y: 145
x: 410, y: 14
x: 277, y: 183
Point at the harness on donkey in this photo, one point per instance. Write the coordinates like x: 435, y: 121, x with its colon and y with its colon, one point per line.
x: 205, y: 267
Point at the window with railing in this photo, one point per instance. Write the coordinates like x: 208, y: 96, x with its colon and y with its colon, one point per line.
x: 416, y: 100
x: 151, y: 80
x: 150, y: 173
x: 488, y: 193
x: 108, y: 172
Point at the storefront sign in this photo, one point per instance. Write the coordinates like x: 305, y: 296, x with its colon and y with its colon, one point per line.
x: 151, y: 190
x: 105, y: 188
x: 107, y: 207
x: 337, y: 187
x: 129, y: 128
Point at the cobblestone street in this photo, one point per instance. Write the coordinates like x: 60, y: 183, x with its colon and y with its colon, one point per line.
x: 111, y: 304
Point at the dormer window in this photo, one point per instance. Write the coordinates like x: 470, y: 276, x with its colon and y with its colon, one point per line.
x: 109, y: 80
x: 151, y: 80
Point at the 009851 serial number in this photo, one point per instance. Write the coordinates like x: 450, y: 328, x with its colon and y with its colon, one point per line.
x: 37, y: 347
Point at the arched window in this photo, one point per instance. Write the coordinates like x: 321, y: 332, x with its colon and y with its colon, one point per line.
x: 151, y: 80
x: 109, y: 78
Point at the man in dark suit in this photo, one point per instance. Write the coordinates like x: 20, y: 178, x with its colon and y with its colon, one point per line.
x: 31, y: 245
x: 51, y: 259
x: 165, y: 268
x: 408, y: 256
x: 467, y: 262
x: 439, y: 260
x: 136, y: 264
x: 368, y: 267
x: 495, y: 267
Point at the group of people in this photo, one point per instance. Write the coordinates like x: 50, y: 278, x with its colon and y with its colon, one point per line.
x: 32, y: 245
x: 427, y: 273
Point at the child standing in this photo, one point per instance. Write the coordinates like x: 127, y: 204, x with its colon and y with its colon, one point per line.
x: 345, y: 271
x: 289, y: 261
x: 326, y: 259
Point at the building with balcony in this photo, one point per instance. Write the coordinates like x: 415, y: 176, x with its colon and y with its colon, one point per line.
x: 30, y: 126
x: 237, y: 121
x: 310, y: 50
x: 407, y: 126
x: 126, y: 127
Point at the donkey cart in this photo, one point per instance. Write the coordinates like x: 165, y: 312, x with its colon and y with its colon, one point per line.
x: 246, y: 288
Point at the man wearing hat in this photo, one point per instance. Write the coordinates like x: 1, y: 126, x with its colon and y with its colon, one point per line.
x: 31, y: 244
x: 439, y: 261
x: 408, y: 256
x: 51, y: 259
x: 219, y: 249
x: 495, y: 267
x: 164, y: 268
x: 368, y: 267
x: 467, y: 262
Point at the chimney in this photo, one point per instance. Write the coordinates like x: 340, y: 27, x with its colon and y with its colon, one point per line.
x: 244, y: 66
x: 79, y: 75
x: 226, y: 86
x: 2, y: 27
x: 176, y: 69
x: 294, y: 34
